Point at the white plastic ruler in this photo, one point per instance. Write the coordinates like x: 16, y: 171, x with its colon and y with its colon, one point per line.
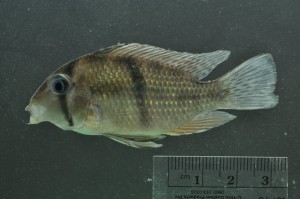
x: 214, y: 177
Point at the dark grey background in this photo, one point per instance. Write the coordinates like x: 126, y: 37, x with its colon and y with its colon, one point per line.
x: 36, y: 37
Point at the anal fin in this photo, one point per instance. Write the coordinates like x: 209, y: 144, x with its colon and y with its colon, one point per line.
x: 203, y: 122
x: 133, y: 143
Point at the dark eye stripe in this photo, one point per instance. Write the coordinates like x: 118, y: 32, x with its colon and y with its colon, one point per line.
x: 65, y: 109
x: 59, y: 85
x: 67, y: 69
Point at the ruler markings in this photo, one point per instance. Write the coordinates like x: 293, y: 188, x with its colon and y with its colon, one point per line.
x: 254, y: 167
x: 202, y: 171
x: 169, y: 159
x: 262, y: 167
x: 184, y: 163
x: 271, y: 173
x: 237, y: 174
x: 220, y: 161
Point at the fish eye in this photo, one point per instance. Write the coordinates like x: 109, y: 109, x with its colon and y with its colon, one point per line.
x: 59, y: 84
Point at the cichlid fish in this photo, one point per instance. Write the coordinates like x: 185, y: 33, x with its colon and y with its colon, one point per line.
x: 136, y: 94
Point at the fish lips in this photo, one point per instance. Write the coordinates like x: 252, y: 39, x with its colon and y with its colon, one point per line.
x: 36, y: 113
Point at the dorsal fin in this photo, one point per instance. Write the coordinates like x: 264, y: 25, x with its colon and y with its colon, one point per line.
x: 108, y: 49
x: 199, y: 65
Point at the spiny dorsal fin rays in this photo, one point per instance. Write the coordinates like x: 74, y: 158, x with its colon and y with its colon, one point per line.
x: 203, y: 122
x: 199, y: 65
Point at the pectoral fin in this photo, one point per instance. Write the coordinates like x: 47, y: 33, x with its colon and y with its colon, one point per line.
x: 203, y: 122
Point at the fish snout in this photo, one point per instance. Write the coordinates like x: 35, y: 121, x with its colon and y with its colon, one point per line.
x: 27, y: 108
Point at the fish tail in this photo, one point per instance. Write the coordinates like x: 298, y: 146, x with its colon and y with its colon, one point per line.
x: 250, y: 85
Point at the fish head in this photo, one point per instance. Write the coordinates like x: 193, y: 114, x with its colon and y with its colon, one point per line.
x: 58, y: 101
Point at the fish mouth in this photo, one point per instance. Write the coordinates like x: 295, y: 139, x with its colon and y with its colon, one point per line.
x: 36, y: 113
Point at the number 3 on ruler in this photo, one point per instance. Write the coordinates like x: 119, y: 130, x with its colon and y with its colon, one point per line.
x: 265, y: 180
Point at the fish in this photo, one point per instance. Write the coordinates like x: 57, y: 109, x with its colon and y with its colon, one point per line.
x: 137, y: 94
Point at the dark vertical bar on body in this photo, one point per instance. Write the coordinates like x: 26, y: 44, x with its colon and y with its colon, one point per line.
x: 140, y: 88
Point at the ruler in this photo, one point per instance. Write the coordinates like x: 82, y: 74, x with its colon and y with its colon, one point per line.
x: 218, y: 177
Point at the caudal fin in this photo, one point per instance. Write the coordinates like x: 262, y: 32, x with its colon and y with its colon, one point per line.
x: 250, y: 85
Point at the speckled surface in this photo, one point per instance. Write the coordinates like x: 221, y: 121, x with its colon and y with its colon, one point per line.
x: 36, y: 37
